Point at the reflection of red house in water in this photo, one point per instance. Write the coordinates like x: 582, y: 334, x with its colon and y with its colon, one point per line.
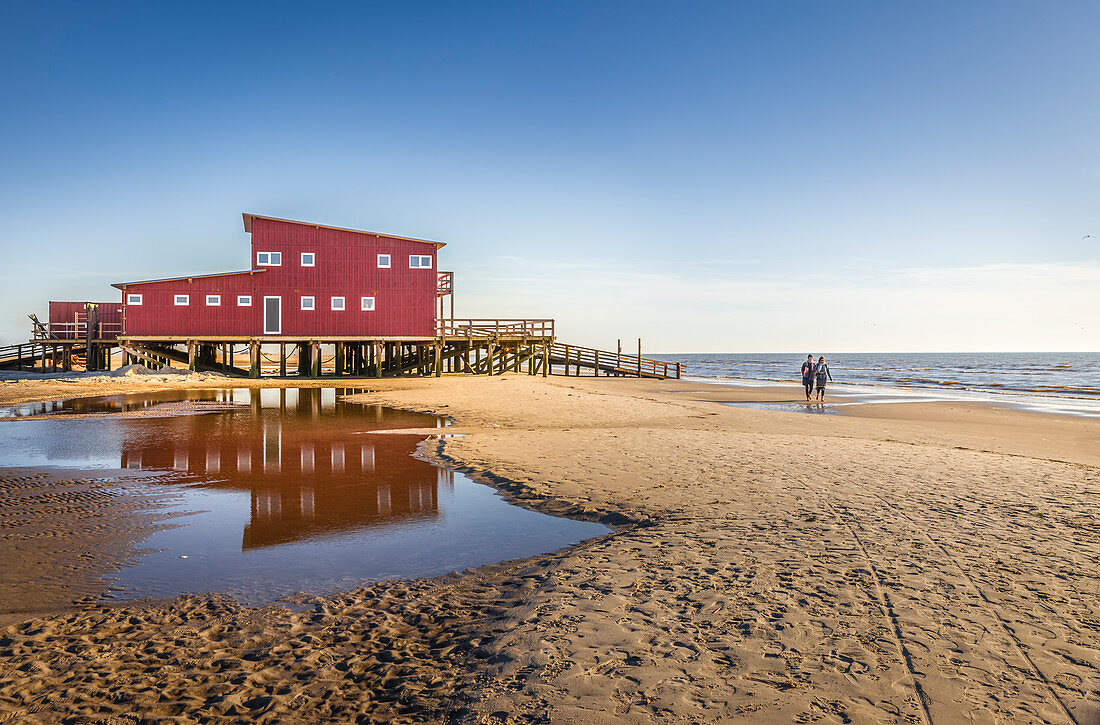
x: 304, y: 456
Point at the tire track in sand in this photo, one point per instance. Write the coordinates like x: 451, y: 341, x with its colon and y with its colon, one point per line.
x: 990, y: 608
x: 888, y: 612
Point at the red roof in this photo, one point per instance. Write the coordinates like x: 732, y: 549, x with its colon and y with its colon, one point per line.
x: 249, y: 217
x: 120, y: 285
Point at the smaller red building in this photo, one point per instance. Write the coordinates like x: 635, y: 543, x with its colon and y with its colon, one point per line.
x: 69, y: 320
x: 303, y: 279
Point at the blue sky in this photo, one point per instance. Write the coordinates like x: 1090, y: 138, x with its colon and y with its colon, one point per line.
x: 851, y: 176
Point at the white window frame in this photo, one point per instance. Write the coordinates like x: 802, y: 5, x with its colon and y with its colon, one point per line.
x: 268, y: 259
x: 312, y: 302
x: 420, y: 258
x: 366, y: 304
x: 342, y: 306
x: 133, y: 300
x: 217, y: 300
x: 244, y: 300
x: 389, y: 261
x: 312, y: 259
x: 186, y: 300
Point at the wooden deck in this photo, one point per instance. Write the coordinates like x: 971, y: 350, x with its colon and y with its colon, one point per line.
x: 470, y: 346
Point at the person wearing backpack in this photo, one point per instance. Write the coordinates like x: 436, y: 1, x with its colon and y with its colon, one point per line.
x: 808, y: 375
x: 821, y: 373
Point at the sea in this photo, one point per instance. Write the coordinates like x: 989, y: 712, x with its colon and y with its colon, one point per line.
x: 1065, y: 382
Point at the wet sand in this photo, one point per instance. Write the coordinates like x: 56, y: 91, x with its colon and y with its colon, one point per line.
x: 932, y: 562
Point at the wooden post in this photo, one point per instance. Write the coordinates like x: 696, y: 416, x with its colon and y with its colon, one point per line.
x: 438, y: 360
x: 545, y: 359
x: 315, y: 353
x: 67, y: 363
x: 338, y: 359
x: 376, y: 353
x: 89, y: 348
x: 192, y: 354
x: 596, y: 365
x: 282, y: 359
x: 254, y: 358
x: 639, y: 357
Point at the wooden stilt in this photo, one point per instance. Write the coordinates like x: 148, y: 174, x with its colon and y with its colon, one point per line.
x: 282, y: 359
x: 315, y: 353
x: 254, y: 358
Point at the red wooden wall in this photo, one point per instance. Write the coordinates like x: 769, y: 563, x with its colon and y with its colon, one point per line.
x: 345, y: 265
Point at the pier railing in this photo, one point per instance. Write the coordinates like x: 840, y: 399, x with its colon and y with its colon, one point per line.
x: 572, y: 359
x: 75, y: 330
x: 495, y: 328
x: 444, y: 284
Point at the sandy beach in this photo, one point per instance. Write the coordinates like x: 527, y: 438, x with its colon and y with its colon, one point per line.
x: 918, y: 562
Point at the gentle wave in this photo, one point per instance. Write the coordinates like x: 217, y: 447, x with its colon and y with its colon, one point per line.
x: 1063, y: 375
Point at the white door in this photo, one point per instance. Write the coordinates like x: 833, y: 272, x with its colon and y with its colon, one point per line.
x: 273, y: 315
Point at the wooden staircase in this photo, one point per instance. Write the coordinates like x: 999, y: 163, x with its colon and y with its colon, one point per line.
x: 576, y: 360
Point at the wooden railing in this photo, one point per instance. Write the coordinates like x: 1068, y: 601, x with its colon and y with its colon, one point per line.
x: 444, y: 284
x: 495, y: 328
x: 572, y: 359
x: 75, y: 330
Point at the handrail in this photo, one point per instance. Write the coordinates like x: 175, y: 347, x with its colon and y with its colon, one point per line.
x: 444, y: 284
x: 75, y: 330
x: 495, y: 328
x: 617, y: 363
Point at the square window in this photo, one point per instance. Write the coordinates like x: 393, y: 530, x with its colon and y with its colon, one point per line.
x: 337, y: 303
x: 244, y: 300
x: 383, y: 261
x: 213, y: 300
x: 420, y: 261
x: 307, y: 259
x: 182, y: 300
x: 269, y: 259
x: 133, y: 299
x: 307, y: 303
x: 366, y: 304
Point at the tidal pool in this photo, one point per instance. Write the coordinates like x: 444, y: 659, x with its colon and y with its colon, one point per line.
x: 285, y: 490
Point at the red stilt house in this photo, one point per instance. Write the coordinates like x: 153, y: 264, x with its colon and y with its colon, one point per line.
x: 303, y: 279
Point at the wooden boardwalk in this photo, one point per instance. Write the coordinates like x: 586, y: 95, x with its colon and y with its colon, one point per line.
x: 470, y: 346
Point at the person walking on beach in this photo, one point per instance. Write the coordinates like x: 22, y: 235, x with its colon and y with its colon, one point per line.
x: 808, y: 375
x: 821, y: 373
